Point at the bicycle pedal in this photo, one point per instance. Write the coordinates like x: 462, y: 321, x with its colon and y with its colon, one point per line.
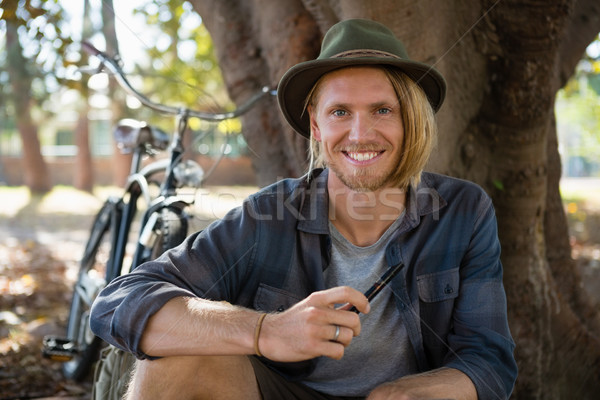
x: 59, y: 349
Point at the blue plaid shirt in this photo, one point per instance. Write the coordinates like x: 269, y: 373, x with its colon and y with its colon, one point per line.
x: 270, y: 253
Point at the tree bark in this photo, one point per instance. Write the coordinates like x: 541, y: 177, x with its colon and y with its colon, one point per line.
x: 83, y: 178
x: 557, y: 354
x: 84, y: 174
x: 122, y: 161
x: 581, y: 30
x: 36, y: 175
x: 504, y: 62
x: 256, y: 41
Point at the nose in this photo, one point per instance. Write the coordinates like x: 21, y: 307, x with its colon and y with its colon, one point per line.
x: 362, y: 128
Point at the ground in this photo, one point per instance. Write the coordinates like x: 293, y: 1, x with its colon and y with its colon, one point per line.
x: 41, y: 240
x: 581, y: 197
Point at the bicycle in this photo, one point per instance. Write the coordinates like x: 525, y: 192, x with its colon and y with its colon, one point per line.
x: 163, y: 225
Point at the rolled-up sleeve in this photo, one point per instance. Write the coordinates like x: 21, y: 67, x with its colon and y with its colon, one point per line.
x: 205, y: 265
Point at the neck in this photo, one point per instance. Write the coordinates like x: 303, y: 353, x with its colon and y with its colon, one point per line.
x: 363, y: 217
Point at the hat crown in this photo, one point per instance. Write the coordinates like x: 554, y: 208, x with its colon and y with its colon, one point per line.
x: 351, y: 43
x: 361, y: 38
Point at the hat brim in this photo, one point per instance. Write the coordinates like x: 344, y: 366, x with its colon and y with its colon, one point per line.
x: 297, y: 82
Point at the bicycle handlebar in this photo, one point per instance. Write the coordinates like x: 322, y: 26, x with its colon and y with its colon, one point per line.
x: 113, y: 66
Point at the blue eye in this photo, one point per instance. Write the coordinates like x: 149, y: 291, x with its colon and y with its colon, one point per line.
x: 384, y: 111
x: 339, y: 113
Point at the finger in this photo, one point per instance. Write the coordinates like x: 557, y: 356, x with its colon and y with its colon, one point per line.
x: 323, y: 345
x: 333, y: 350
x: 355, y: 299
x: 346, y: 319
x: 341, y: 295
x: 336, y: 333
x: 351, y: 307
x: 361, y: 305
x: 344, y: 336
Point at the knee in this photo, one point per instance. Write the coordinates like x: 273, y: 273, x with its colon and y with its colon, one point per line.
x: 183, y: 367
x: 192, y: 377
x: 180, y: 369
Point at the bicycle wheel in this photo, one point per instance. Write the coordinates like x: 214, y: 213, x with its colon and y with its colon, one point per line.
x: 91, y: 279
x: 172, y: 230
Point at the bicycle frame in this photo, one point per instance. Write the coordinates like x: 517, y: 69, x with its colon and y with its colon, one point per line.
x: 137, y: 187
x: 164, y: 216
x: 168, y: 187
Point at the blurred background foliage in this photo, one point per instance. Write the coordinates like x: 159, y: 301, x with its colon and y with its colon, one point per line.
x: 162, y: 45
x: 578, y: 117
x: 44, y: 36
x: 169, y: 55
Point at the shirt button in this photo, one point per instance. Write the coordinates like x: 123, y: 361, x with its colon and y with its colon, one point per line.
x: 280, y: 308
x: 448, y: 289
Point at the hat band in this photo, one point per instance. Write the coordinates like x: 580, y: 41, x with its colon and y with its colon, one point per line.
x: 364, y: 53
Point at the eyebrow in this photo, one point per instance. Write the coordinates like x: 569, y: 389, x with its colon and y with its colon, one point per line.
x: 375, y: 105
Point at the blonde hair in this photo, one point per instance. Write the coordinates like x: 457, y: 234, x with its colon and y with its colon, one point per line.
x: 420, y: 128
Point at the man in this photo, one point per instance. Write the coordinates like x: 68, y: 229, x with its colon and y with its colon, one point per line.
x: 259, y: 304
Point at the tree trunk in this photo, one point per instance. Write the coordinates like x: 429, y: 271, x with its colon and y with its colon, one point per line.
x: 504, y: 62
x: 84, y: 174
x: 256, y: 41
x: 122, y: 162
x: 558, y: 356
x: 36, y: 174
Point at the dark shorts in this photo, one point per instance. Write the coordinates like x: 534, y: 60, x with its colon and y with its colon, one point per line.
x: 275, y: 387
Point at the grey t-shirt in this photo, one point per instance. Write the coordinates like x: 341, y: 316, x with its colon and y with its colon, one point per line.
x: 382, y: 352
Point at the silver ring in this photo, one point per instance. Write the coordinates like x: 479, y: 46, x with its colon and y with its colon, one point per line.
x: 336, y: 335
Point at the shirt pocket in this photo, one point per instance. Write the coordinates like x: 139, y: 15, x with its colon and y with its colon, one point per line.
x: 438, y: 286
x: 271, y: 299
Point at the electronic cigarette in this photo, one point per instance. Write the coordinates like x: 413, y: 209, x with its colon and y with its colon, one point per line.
x: 380, y: 283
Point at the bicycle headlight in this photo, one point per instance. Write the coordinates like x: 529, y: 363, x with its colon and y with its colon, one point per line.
x: 189, y: 173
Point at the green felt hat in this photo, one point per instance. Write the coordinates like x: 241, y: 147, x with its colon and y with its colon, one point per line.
x: 349, y: 43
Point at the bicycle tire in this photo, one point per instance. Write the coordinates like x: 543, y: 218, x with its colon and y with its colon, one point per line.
x: 92, y: 277
x: 172, y: 230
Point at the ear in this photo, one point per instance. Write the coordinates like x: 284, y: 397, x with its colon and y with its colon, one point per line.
x: 314, y: 127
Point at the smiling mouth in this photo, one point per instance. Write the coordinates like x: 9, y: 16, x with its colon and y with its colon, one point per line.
x: 362, y: 156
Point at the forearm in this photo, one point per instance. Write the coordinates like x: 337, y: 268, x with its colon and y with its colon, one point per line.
x: 442, y: 383
x: 194, y: 326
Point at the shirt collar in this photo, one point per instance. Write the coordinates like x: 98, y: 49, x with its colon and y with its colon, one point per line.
x: 425, y: 199
x: 314, y: 210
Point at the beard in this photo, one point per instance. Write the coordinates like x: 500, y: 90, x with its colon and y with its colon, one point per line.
x: 362, y: 180
x: 369, y: 178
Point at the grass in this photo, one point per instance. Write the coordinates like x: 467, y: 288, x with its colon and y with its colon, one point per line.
x: 64, y: 203
x: 215, y: 201
x: 582, y: 193
x: 61, y: 199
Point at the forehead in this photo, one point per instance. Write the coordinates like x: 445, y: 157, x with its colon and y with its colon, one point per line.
x: 354, y: 81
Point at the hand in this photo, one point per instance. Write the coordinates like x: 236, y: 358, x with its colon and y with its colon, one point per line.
x: 438, y: 384
x: 307, y: 329
x: 394, y: 392
x: 388, y: 392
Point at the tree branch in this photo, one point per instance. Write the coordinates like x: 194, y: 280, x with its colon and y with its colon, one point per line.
x: 581, y: 31
x: 322, y: 12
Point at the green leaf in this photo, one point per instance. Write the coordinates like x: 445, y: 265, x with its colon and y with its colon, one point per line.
x: 498, y: 184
